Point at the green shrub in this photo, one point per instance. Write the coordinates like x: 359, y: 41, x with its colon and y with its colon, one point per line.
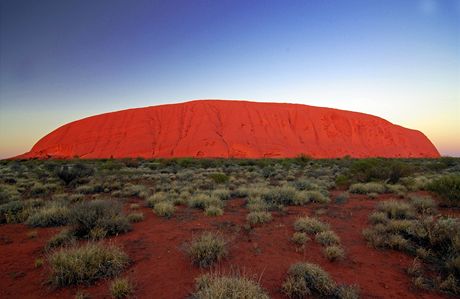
x: 86, y: 264
x: 310, y: 225
x: 98, y: 216
x: 212, y: 286
x: 255, y: 218
x: 207, y: 249
x: 219, y: 178
x: 213, y: 211
x: 327, y: 238
x: 121, y: 288
x: 69, y: 173
x: 54, y: 214
x: 448, y: 187
x: 164, y: 209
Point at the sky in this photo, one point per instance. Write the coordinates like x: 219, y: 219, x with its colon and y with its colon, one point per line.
x: 64, y: 60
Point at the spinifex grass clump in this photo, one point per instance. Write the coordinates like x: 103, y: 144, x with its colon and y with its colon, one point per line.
x: 98, y: 218
x: 86, y: 264
x: 305, y: 279
x: 207, y: 249
x: 212, y: 286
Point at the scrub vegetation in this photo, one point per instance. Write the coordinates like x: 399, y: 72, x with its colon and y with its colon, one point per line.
x: 90, y: 218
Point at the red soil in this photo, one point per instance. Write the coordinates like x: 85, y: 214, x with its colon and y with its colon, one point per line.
x: 213, y: 128
x: 161, y: 269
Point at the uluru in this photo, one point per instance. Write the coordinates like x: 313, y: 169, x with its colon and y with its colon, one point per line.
x: 232, y: 129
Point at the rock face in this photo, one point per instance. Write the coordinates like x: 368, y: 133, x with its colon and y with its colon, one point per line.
x: 215, y: 128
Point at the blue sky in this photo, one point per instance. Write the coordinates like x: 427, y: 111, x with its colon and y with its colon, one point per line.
x: 64, y: 60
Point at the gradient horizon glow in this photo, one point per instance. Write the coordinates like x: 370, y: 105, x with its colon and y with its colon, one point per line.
x: 64, y: 60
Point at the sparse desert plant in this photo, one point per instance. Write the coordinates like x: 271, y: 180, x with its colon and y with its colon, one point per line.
x: 310, y: 225
x: 39, y: 262
x: 448, y: 187
x: 54, y: 214
x: 135, y: 217
x: 348, y: 291
x: 202, y: 201
x: 366, y: 188
x: 327, y: 238
x: 304, y: 279
x: 121, y: 288
x: 213, y: 211
x: 396, y: 209
x: 219, y: 178
x: 423, y: 205
x: 317, y: 196
x: 156, y: 198
x: 211, y: 286
x: 164, y: 209
x: 86, y: 264
x: 222, y: 194
x: 64, y: 237
x: 207, y: 249
x: 300, y: 238
x: 255, y: 218
x: 334, y: 252
x: 98, y: 215
x: 134, y: 206
x: 69, y: 173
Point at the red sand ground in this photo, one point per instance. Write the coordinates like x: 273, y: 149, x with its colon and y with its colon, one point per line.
x: 213, y: 128
x: 161, y: 269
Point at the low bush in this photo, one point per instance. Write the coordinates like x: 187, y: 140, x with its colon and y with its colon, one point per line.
x: 207, y: 249
x: 366, y: 188
x: 334, y: 252
x: 448, y: 187
x: 164, y: 209
x: 304, y: 279
x: 310, y: 225
x: 135, y: 217
x: 121, y: 288
x: 69, y: 173
x: 219, y: 178
x: 327, y: 238
x: 213, y: 211
x: 12, y: 212
x: 54, y: 214
x: 212, y: 286
x: 300, y: 238
x: 255, y: 218
x: 396, y: 209
x: 63, y: 238
x: 98, y: 218
x: 411, y: 228
x: 202, y: 201
x: 86, y: 264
